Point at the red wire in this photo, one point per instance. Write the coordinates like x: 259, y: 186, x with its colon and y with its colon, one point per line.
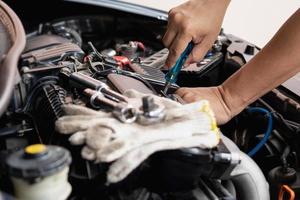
x: 286, y: 189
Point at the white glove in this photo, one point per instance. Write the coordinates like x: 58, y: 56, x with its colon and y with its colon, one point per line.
x: 107, y: 139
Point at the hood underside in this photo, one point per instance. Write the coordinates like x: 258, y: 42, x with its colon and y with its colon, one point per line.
x: 145, y: 7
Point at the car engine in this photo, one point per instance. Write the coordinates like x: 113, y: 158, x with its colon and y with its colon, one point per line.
x: 72, y: 53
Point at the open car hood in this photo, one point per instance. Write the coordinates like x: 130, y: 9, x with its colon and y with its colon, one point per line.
x: 146, y: 8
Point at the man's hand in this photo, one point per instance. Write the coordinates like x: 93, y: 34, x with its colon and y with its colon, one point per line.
x: 215, y: 96
x: 274, y: 64
x: 198, y: 21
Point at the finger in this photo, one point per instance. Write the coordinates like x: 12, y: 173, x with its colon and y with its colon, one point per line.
x: 98, y: 136
x: 121, y: 168
x: 112, y: 151
x: 70, y: 118
x: 117, y: 172
x: 187, y: 95
x: 182, y: 91
x: 178, y: 46
x: 88, y: 153
x: 68, y: 125
x: 190, y: 97
x: 169, y: 35
x: 199, y: 50
x: 72, y: 124
x: 78, y: 138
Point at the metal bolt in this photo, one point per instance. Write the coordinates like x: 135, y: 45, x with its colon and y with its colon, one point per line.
x: 24, y: 69
x: 148, y: 104
x: 27, y: 78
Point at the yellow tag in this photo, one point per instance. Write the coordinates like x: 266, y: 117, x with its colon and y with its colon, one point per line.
x: 214, y: 126
x: 206, y: 109
x: 35, y: 149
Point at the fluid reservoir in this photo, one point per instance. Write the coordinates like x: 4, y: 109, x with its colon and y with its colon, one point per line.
x: 40, y: 172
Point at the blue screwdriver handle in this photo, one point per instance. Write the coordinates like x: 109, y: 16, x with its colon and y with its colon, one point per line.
x: 171, y: 76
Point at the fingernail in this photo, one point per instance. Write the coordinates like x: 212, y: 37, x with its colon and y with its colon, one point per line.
x: 185, y: 65
x: 165, y: 67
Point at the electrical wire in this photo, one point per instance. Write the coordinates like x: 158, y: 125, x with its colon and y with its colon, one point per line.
x: 286, y: 189
x: 290, y: 125
x: 118, y: 71
x: 268, y: 131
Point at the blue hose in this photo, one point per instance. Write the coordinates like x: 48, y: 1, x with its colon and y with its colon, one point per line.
x: 268, y: 132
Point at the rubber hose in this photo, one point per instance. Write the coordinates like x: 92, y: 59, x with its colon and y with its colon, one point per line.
x: 248, y: 179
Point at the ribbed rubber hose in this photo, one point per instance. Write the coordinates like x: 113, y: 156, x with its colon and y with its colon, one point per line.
x: 9, y: 64
x: 248, y: 179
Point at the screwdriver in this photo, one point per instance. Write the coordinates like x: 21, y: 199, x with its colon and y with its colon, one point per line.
x: 171, y: 76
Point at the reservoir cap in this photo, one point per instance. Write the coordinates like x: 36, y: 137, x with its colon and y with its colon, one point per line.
x: 37, y: 161
x: 35, y: 150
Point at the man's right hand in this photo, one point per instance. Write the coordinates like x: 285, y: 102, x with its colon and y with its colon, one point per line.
x: 217, y: 97
x: 198, y: 21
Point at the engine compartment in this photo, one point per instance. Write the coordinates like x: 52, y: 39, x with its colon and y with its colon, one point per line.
x: 117, y: 49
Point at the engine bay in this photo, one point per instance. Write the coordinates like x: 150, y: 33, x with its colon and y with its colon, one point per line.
x: 68, y: 59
